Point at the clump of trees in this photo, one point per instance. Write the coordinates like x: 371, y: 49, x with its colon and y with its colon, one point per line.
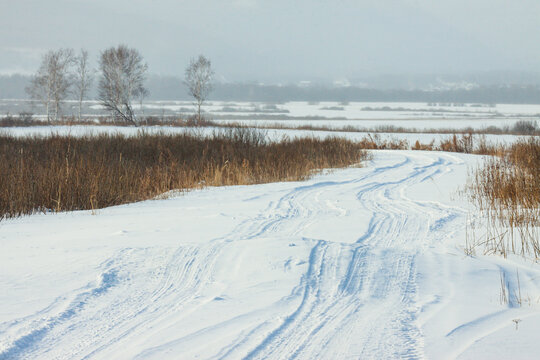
x: 63, y: 74
x: 50, y: 85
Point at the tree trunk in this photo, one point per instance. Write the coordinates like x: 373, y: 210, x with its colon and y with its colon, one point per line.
x: 80, y: 109
x: 130, y: 116
x: 142, y: 113
x: 56, y: 111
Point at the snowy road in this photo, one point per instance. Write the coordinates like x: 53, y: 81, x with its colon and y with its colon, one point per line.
x: 355, y: 263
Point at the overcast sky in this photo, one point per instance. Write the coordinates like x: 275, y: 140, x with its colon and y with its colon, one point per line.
x: 282, y: 40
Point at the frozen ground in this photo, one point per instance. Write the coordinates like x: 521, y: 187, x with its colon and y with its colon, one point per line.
x: 357, y: 263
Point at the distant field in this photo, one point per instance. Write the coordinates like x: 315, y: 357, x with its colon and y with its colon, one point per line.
x: 365, y: 114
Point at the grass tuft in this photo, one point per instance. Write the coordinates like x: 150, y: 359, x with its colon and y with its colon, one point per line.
x: 506, y: 190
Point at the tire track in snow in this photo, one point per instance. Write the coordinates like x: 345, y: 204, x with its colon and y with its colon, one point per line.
x: 174, y: 288
x: 139, y: 295
x: 29, y: 336
x: 365, y: 306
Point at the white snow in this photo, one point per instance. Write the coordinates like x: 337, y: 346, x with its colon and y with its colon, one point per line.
x: 354, y: 263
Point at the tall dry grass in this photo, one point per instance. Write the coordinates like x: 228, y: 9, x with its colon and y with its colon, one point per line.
x: 506, y: 190
x: 463, y: 143
x: 58, y: 173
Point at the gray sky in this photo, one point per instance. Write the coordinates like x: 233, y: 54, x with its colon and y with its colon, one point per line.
x: 282, y: 40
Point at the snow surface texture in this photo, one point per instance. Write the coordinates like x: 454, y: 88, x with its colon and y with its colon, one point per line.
x: 356, y: 263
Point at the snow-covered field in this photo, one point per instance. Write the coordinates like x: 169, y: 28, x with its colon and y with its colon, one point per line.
x: 356, y: 110
x: 332, y: 114
x: 272, y: 134
x: 354, y: 263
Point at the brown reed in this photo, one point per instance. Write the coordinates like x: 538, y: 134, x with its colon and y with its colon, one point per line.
x: 60, y: 173
x: 506, y: 190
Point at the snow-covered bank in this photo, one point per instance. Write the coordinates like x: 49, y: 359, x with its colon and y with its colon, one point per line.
x: 356, y: 263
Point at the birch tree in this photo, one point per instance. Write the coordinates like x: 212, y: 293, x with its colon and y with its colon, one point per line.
x: 123, y: 72
x: 198, y: 79
x: 83, y: 78
x: 50, y: 85
x: 142, y: 94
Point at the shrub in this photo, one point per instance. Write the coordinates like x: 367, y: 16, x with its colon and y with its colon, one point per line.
x: 526, y: 127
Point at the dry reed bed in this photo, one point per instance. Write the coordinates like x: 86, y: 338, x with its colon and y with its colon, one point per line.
x: 506, y: 190
x: 60, y: 173
x: 464, y: 143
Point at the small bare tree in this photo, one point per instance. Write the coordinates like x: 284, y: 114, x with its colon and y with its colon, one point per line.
x: 83, y: 78
x: 51, y: 83
x: 40, y: 88
x: 142, y: 94
x: 123, y: 72
x: 198, y: 79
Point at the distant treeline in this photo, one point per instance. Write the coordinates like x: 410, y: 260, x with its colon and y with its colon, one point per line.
x: 172, y: 88
x: 485, y: 95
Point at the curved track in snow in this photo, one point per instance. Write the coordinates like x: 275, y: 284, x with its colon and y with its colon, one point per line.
x: 324, y: 269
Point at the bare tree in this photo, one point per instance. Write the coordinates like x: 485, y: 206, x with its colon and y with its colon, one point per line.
x: 123, y: 72
x: 83, y: 78
x: 142, y: 94
x: 40, y: 88
x: 198, y: 79
x: 51, y: 83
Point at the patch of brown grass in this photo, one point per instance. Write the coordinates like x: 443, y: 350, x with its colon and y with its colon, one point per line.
x: 463, y: 144
x: 375, y: 142
x: 60, y: 173
x: 506, y: 190
x: 427, y: 147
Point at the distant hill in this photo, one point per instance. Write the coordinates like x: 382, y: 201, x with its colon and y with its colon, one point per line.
x: 172, y: 88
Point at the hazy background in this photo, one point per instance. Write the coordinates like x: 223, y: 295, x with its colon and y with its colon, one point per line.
x: 283, y: 41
